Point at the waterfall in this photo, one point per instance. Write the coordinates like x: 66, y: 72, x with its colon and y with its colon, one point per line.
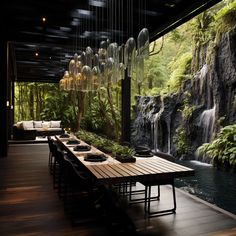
x: 155, y: 124
x: 207, y: 121
x: 202, y: 74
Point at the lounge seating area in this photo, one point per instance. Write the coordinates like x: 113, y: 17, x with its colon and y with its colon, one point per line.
x: 28, y: 130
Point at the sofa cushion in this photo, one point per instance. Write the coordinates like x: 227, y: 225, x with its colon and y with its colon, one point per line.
x: 38, y: 124
x: 46, y: 124
x: 55, y: 124
x: 28, y: 124
x: 19, y: 125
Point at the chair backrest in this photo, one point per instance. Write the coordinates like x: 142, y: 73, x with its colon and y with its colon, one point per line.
x: 50, y: 144
x: 59, y: 155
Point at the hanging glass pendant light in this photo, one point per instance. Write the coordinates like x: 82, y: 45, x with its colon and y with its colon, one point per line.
x: 121, y: 73
x: 63, y: 81
x: 108, y: 70
x: 143, y: 43
x: 95, y: 78
x: 129, y: 55
x: 78, y: 82
x: 86, y: 74
x: 89, y: 56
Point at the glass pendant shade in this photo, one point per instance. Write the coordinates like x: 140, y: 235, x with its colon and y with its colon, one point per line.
x: 143, y: 43
x: 70, y: 83
x: 86, y: 78
x: 89, y: 56
x: 65, y: 79
x: 103, y: 79
x: 113, y: 52
x: 82, y: 58
x: 72, y: 66
x: 129, y: 54
x: 102, y: 54
x: 121, y: 69
x: 139, y: 69
x: 96, y: 60
x: 109, y: 70
x: 103, y: 44
x: 78, y: 66
x: 95, y: 78
x: 78, y: 82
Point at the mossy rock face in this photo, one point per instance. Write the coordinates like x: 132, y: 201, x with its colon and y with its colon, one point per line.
x: 230, y: 18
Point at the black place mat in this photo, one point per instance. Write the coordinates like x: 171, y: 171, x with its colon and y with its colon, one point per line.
x: 82, y: 148
x: 127, y: 159
x: 73, y: 142
x: 143, y: 154
x: 95, y: 158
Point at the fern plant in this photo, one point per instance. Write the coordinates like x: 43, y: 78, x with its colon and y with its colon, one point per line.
x: 222, y: 150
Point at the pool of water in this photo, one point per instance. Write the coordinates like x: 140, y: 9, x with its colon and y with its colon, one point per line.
x: 212, y: 185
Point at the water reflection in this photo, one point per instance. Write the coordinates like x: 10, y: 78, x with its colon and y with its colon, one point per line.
x: 214, y: 186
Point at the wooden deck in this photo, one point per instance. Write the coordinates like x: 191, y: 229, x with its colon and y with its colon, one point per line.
x: 30, y: 206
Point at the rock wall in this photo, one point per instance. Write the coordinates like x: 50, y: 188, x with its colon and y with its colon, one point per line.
x: 211, y: 96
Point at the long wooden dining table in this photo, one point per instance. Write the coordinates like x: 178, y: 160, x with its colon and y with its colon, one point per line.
x: 111, y: 171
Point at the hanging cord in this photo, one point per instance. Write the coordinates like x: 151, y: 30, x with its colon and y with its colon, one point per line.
x: 132, y: 18
x: 145, y: 16
x: 76, y: 46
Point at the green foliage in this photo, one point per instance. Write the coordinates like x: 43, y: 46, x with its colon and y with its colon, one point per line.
x: 222, y: 150
x: 226, y: 12
x: 180, y: 141
x: 105, y: 144
x: 30, y: 99
x: 92, y: 119
x: 180, y: 69
x: 58, y: 106
x: 187, y: 109
x: 225, y: 18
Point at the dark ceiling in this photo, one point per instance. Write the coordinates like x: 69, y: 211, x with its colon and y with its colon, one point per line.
x: 71, y: 25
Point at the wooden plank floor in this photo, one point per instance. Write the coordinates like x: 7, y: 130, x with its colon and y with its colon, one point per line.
x: 30, y: 206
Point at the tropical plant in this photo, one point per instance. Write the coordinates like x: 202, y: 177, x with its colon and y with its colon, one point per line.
x: 105, y: 144
x: 180, y: 141
x: 222, y: 150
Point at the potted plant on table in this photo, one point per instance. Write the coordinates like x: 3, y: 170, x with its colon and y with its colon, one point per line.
x: 123, y: 154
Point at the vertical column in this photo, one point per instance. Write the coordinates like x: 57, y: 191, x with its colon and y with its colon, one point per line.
x: 3, y: 99
x: 125, y: 108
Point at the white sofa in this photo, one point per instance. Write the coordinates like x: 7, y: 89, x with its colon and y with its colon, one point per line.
x: 30, y: 129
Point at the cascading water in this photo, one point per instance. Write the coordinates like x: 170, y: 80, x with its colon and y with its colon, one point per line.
x: 207, y: 121
x: 154, y: 126
x: 202, y: 74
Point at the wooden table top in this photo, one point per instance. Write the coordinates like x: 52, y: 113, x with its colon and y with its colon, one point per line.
x: 112, y: 171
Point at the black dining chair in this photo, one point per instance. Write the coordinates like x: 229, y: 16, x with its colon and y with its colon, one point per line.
x: 50, y: 155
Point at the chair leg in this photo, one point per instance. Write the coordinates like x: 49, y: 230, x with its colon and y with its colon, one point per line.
x: 162, y: 212
x: 142, y: 199
x: 135, y: 192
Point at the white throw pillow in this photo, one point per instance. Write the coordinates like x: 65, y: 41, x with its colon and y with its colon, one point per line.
x: 55, y: 124
x: 28, y: 124
x: 46, y: 124
x: 19, y: 125
x: 38, y: 124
